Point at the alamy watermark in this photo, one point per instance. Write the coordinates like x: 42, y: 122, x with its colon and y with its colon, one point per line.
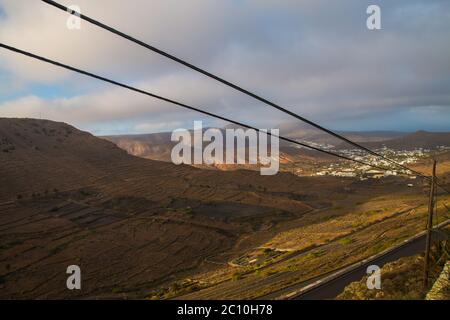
x: 374, y: 277
x: 240, y: 145
x: 73, y: 282
x: 373, y: 22
x: 74, y: 20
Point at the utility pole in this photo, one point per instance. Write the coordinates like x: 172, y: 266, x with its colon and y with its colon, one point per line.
x: 429, y: 228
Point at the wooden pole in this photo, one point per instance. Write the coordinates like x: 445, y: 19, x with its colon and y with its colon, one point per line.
x: 429, y: 228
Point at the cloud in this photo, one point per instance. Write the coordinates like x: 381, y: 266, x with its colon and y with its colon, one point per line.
x: 315, y: 57
x: 115, y: 104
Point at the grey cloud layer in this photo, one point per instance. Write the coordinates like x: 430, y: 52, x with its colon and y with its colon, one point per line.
x: 315, y: 57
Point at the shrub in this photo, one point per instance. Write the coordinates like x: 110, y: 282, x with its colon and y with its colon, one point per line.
x: 116, y: 290
x: 346, y: 241
x: 236, y: 276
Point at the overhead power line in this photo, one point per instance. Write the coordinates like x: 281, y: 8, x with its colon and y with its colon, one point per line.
x: 31, y: 55
x: 92, y: 75
x: 228, y: 83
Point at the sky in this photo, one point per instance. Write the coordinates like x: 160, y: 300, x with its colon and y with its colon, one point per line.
x: 314, y: 57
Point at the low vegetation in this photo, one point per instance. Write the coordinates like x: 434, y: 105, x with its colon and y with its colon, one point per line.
x: 401, y: 279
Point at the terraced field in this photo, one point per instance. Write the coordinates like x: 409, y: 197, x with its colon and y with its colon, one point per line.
x: 324, y: 243
x: 140, y: 228
x: 118, y: 251
x: 131, y: 224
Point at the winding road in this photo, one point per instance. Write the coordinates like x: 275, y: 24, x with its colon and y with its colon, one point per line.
x: 330, y: 286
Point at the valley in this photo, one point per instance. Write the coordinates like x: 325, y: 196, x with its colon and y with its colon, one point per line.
x: 142, y: 228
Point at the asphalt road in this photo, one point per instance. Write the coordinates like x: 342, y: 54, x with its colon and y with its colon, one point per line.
x: 331, y: 288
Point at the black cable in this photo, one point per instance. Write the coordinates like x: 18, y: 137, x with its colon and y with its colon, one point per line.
x: 29, y: 54
x: 179, y: 103
x: 217, y: 78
